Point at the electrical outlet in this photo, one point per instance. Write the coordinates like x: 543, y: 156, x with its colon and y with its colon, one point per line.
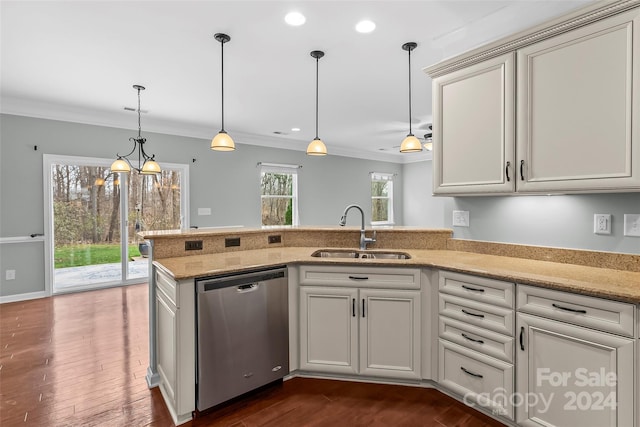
x: 460, y: 218
x: 10, y: 275
x: 632, y: 225
x: 602, y: 223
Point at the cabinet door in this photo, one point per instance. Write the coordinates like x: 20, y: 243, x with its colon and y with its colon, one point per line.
x: 569, y: 375
x: 389, y: 333
x: 166, y: 324
x: 329, y: 329
x: 577, y: 94
x: 473, y: 131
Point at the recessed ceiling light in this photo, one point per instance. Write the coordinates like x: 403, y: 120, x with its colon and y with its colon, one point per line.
x: 365, y: 26
x: 295, y: 129
x: 295, y: 19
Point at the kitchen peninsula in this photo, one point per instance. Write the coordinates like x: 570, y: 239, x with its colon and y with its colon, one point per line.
x: 440, y: 264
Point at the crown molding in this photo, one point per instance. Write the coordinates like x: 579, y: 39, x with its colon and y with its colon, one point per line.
x: 563, y: 24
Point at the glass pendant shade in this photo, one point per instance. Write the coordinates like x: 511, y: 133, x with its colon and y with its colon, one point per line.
x: 120, y: 166
x: 410, y: 144
x: 150, y: 167
x: 317, y: 148
x: 222, y: 142
x: 428, y: 146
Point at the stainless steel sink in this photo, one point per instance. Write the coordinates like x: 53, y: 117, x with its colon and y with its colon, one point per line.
x: 348, y: 253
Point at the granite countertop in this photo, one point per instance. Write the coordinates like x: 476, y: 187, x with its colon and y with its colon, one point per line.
x: 601, y: 282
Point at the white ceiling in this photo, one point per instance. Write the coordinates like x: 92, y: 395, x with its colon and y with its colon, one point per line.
x: 77, y: 61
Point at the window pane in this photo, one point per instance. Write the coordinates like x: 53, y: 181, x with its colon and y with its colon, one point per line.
x: 277, y: 211
x: 380, y: 209
x: 380, y: 188
x: 277, y: 184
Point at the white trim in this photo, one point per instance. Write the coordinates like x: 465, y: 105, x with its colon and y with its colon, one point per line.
x: 279, y: 165
x: 23, y: 297
x: 21, y: 239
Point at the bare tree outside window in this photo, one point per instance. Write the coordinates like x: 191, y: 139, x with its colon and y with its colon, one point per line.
x: 278, y: 193
x: 381, y: 198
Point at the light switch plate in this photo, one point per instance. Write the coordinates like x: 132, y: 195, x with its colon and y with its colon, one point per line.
x: 602, y: 223
x: 632, y: 225
x: 460, y: 218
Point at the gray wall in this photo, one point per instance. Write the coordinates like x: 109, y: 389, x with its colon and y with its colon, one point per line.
x: 228, y: 183
x: 564, y: 221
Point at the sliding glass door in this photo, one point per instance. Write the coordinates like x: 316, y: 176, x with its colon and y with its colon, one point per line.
x: 95, y: 216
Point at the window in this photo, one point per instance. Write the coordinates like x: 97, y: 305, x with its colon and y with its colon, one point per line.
x: 279, y: 194
x: 381, y: 198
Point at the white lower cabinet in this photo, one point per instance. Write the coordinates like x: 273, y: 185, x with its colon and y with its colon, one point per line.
x: 175, y: 344
x: 568, y: 372
x: 360, y: 331
x: 475, y: 358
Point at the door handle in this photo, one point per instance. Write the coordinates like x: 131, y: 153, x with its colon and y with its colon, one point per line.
x: 522, y: 338
x: 353, y: 307
x: 473, y: 374
x: 472, y: 314
x: 573, y: 310
x: 522, y: 170
x: 358, y: 278
x: 362, y: 307
x: 469, y: 288
x: 506, y: 171
x: 472, y: 339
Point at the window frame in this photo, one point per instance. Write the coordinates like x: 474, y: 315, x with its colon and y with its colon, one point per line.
x: 383, y: 176
x: 277, y: 168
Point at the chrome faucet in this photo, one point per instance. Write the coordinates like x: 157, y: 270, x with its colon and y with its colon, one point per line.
x: 363, y: 239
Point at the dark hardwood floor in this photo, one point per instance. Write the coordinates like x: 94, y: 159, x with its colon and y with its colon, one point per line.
x: 80, y: 360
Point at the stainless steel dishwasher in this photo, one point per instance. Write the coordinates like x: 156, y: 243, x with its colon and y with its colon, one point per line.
x: 242, y: 333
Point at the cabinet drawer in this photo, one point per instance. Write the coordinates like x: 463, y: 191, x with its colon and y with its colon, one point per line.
x: 480, y: 379
x: 355, y: 276
x: 478, y: 339
x: 498, y: 319
x: 166, y: 285
x: 477, y: 288
x: 597, y: 313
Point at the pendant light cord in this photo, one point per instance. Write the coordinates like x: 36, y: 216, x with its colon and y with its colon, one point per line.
x: 222, y: 79
x: 317, y: 60
x: 410, y: 131
x: 139, y: 126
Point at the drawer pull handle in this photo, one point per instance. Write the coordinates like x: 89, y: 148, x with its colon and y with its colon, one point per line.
x: 522, y: 338
x: 472, y: 314
x: 358, y: 278
x: 506, y: 171
x: 353, y: 307
x: 473, y: 374
x: 472, y: 339
x: 573, y: 310
x: 469, y: 288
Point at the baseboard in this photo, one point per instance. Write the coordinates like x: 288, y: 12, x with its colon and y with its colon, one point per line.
x: 23, y: 297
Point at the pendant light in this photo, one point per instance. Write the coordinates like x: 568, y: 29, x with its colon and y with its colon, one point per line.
x: 410, y: 144
x: 317, y: 147
x: 146, y: 164
x: 222, y: 141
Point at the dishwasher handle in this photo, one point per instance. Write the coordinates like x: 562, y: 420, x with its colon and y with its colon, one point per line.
x: 249, y: 287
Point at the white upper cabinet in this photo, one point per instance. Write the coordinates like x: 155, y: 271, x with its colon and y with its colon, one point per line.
x: 576, y: 95
x: 575, y: 126
x: 473, y: 115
